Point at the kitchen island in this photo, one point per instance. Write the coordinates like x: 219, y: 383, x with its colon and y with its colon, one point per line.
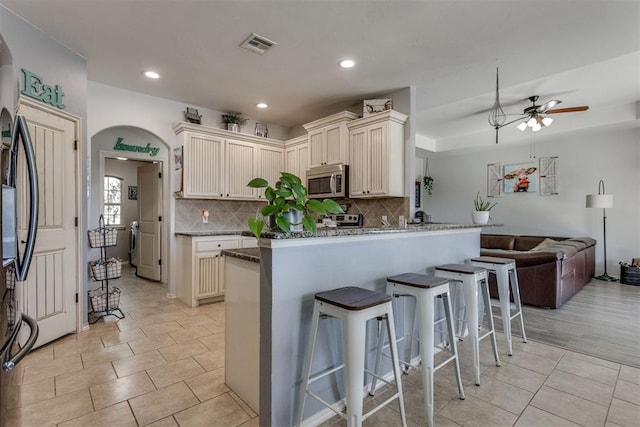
x: 292, y: 268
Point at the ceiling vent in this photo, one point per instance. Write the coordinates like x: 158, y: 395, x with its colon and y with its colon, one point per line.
x: 257, y: 44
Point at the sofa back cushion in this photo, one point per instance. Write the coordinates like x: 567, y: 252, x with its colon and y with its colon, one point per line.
x: 497, y: 241
x: 526, y: 243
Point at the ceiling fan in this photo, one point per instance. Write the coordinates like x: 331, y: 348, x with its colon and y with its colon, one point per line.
x: 534, y: 116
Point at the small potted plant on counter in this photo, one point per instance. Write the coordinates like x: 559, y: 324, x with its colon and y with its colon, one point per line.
x: 289, y: 207
x: 233, y: 121
x: 483, y: 208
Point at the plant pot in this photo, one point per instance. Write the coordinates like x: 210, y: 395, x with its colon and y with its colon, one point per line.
x: 295, y: 218
x: 233, y: 127
x: 480, y: 217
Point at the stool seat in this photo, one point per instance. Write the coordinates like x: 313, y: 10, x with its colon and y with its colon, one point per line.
x: 461, y: 268
x: 494, y: 260
x: 417, y: 280
x: 353, y: 298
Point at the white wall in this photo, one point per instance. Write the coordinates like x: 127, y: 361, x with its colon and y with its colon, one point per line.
x: 610, y: 154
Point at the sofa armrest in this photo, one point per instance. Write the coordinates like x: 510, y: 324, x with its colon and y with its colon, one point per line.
x: 525, y: 258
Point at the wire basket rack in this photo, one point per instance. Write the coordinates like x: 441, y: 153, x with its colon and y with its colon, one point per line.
x: 106, y: 269
x: 102, y: 237
x: 102, y: 301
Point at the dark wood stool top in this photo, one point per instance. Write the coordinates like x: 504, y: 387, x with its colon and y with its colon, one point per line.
x: 353, y: 298
x: 494, y: 260
x: 461, y: 268
x: 418, y: 280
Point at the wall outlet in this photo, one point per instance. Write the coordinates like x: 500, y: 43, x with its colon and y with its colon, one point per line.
x: 384, y: 218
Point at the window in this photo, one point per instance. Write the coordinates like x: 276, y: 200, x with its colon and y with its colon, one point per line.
x: 112, y: 200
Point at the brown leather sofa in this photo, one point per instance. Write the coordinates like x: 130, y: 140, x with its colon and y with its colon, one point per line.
x: 550, y: 272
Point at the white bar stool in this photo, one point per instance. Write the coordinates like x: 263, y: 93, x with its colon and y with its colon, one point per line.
x: 354, y: 306
x: 505, y: 271
x: 426, y: 290
x: 472, y: 280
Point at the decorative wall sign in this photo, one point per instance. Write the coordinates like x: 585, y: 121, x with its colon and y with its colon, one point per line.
x: 520, y: 178
x: 418, y: 190
x: 192, y: 116
x: 261, y: 130
x: 133, y: 192
x: 549, y: 176
x: 152, y: 151
x: 178, y: 158
x: 372, y: 106
x: 33, y: 87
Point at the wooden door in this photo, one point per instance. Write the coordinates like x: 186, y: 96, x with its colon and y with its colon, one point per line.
x: 49, y: 291
x: 149, y: 211
x: 203, y: 157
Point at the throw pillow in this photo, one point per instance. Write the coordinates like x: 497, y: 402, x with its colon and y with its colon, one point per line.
x: 546, y: 242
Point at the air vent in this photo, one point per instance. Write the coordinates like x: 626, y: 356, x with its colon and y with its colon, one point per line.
x: 257, y: 44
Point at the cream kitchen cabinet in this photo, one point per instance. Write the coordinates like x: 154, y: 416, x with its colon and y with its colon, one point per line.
x: 200, y: 275
x: 218, y: 164
x: 328, y: 139
x: 376, y: 155
x: 296, y: 157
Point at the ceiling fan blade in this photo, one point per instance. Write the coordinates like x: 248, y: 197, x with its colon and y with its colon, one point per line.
x: 567, y: 110
x: 546, y: 106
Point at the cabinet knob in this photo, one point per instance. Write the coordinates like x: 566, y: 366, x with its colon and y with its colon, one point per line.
x: 218, y: 244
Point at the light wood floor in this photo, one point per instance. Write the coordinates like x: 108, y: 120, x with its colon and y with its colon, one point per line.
x: 602, y: 320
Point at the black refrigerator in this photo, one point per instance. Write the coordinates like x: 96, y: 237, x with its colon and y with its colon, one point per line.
x: 18, y: 332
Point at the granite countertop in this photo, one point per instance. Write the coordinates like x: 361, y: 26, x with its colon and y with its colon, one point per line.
x: 210, y: 233
x: 247, y: 254
x: 346, y: 231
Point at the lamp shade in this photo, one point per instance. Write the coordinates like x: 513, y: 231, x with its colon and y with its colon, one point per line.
x: 602, y: 201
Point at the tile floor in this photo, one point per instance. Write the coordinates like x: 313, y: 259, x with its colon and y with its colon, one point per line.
x: 163, y: 365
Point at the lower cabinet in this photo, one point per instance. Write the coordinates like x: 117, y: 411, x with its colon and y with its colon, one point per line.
x: 200, y: 272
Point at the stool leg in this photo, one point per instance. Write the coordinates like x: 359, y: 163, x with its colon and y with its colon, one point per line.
x: 502, y: 280
x: 452, y: 339
x: 515, y: 291
x: 487, y: 310
x: 459, y: 308
x: 306, y: 370
x: 470, y: 291
x: 376, y: 370
x: 425, y: 314
x: 353, y: 344
x: 395, y: 361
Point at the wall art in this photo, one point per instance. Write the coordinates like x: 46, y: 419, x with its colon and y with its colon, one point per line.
x: 133, y: 192
x: 520, y: 178
x: 372, y: 106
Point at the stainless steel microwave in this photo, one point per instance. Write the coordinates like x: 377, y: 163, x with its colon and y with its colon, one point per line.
x: 331, y: 181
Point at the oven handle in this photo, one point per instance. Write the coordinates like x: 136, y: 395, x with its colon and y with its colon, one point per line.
x: 9, y: 364
x: 332, y: 183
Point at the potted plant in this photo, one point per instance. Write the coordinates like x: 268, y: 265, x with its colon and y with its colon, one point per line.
x: 427, y: 181
x: 233, y: 121
x: 483, y: 208
x: 289, y: 207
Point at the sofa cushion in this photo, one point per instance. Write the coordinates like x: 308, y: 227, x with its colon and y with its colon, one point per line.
x: 526, y: 243
x: 497, y: 241
x: 524, y: 259
x: 546, y: 242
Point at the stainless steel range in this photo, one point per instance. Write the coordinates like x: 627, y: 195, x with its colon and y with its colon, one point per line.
x: 347, y: 220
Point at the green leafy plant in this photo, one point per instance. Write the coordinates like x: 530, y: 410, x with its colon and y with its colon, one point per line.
x: 235, y: 118
x: 288, y: 194
x: 427, y: 181
x: 482, y: 205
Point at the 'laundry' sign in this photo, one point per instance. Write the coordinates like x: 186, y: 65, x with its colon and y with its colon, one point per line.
x: 136, y: 148
x: 32, y: 87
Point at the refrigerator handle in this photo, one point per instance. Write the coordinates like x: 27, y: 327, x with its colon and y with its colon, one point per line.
x: 9, y: 364
x: 21, y: 130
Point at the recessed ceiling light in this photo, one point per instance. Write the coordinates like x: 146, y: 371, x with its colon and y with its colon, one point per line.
x: 347, y: 63
x: 261, y: 105
x: 152, y: 74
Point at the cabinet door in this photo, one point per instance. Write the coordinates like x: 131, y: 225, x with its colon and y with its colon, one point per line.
x: 291, y: 160
x: 335, y: 144
x: 358, y: 169
x: 240, y: 167
x: 208, y: 274
x: 317, y: 147
x: 270, y: 162
x: 303, y: 162
x: 203, y: 166
x: 378, y: 161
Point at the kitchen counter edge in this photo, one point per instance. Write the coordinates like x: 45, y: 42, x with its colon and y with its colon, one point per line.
x: 247, y: 254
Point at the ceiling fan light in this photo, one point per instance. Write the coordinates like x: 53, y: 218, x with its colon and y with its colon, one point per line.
x: 547, y: 121
x: 531, y: 122
x: 536, y: 127
x: 522, y: 126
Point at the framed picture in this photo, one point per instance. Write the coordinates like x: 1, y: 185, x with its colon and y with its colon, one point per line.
x: 520, y: 178
x: 177, y: 158
x: 133, y: 192
x: 418, y: 190
x: 372, y: 106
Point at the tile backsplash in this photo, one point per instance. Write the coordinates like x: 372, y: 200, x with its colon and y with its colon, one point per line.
x: 233, y: 215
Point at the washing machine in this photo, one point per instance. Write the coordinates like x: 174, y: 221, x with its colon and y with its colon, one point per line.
x: 133, y: 243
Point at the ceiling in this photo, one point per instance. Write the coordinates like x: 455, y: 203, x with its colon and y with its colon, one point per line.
x: 582, y: 52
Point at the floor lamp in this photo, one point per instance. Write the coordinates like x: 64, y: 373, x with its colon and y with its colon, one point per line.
x: 602, y: 201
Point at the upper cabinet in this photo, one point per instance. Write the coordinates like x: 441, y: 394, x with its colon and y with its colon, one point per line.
x: 218, y: 164
x: 296, y: 156
x: 328, y: 139
x: 376, y: 155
